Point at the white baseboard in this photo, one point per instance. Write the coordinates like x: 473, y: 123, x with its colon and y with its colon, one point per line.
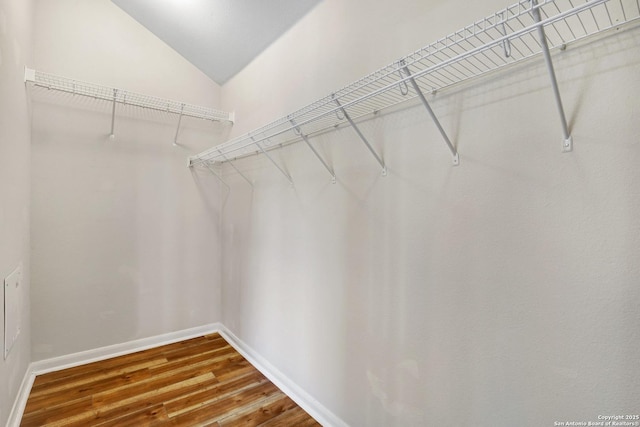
x: 102, y: 353
x: 21, y: 399
x: 89, y: 356
x: 295, y: 392
x: 284, y: 383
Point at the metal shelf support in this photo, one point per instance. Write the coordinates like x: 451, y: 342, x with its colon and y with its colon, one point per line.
x: 286, y: 175
x: 175, y: 139
x: 305, y: 138
x: 113, y: 113
x: 513, y: 35
x: 567, y: 144
x: 217, y: 176
x: 454, y: 153
x: 362, y: 137
x: 236, y: 169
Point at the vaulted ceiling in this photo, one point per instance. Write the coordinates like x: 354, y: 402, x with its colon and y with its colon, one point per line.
x: 220, y: 37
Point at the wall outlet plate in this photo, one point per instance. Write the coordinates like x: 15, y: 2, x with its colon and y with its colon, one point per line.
x: 12, y: 303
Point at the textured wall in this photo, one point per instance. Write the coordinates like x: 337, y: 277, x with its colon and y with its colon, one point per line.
x: 124, y: 240
x: 498, y: 293
x: 15, y: 52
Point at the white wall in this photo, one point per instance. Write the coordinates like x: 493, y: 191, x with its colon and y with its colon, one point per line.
x: 498, y: 293
x: 15, y: 51
x: 125, y: 237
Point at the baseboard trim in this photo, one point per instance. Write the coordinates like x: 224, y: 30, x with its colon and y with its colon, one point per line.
x: 314, y: 408
x: 89, y: 356
x: 102, y: 353
x: 15, y: 416
x: 295, y: 392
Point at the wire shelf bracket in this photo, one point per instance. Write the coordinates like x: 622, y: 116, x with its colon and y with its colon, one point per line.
x: 567, y: 143
x: 217, y: 175
x: 454, y: 153
x: 362, y: 137
x: 515, y: 34
x: 282, y: 171
x: 237, y: 170
x: 113, y: 114
x: 305, y: 138
x: 175, y: 138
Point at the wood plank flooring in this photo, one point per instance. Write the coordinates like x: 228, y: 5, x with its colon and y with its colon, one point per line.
x: 198, y: 382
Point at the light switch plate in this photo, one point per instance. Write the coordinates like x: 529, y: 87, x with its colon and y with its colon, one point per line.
x: 12, y: 301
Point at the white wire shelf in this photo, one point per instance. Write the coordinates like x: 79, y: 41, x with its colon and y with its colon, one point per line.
x: 505, y: 38
x: 124, y: 97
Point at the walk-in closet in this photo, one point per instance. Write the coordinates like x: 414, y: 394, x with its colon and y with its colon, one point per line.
x: 320, y: 212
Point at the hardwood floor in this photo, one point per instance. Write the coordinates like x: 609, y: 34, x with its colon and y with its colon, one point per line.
x: 198, y: 382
